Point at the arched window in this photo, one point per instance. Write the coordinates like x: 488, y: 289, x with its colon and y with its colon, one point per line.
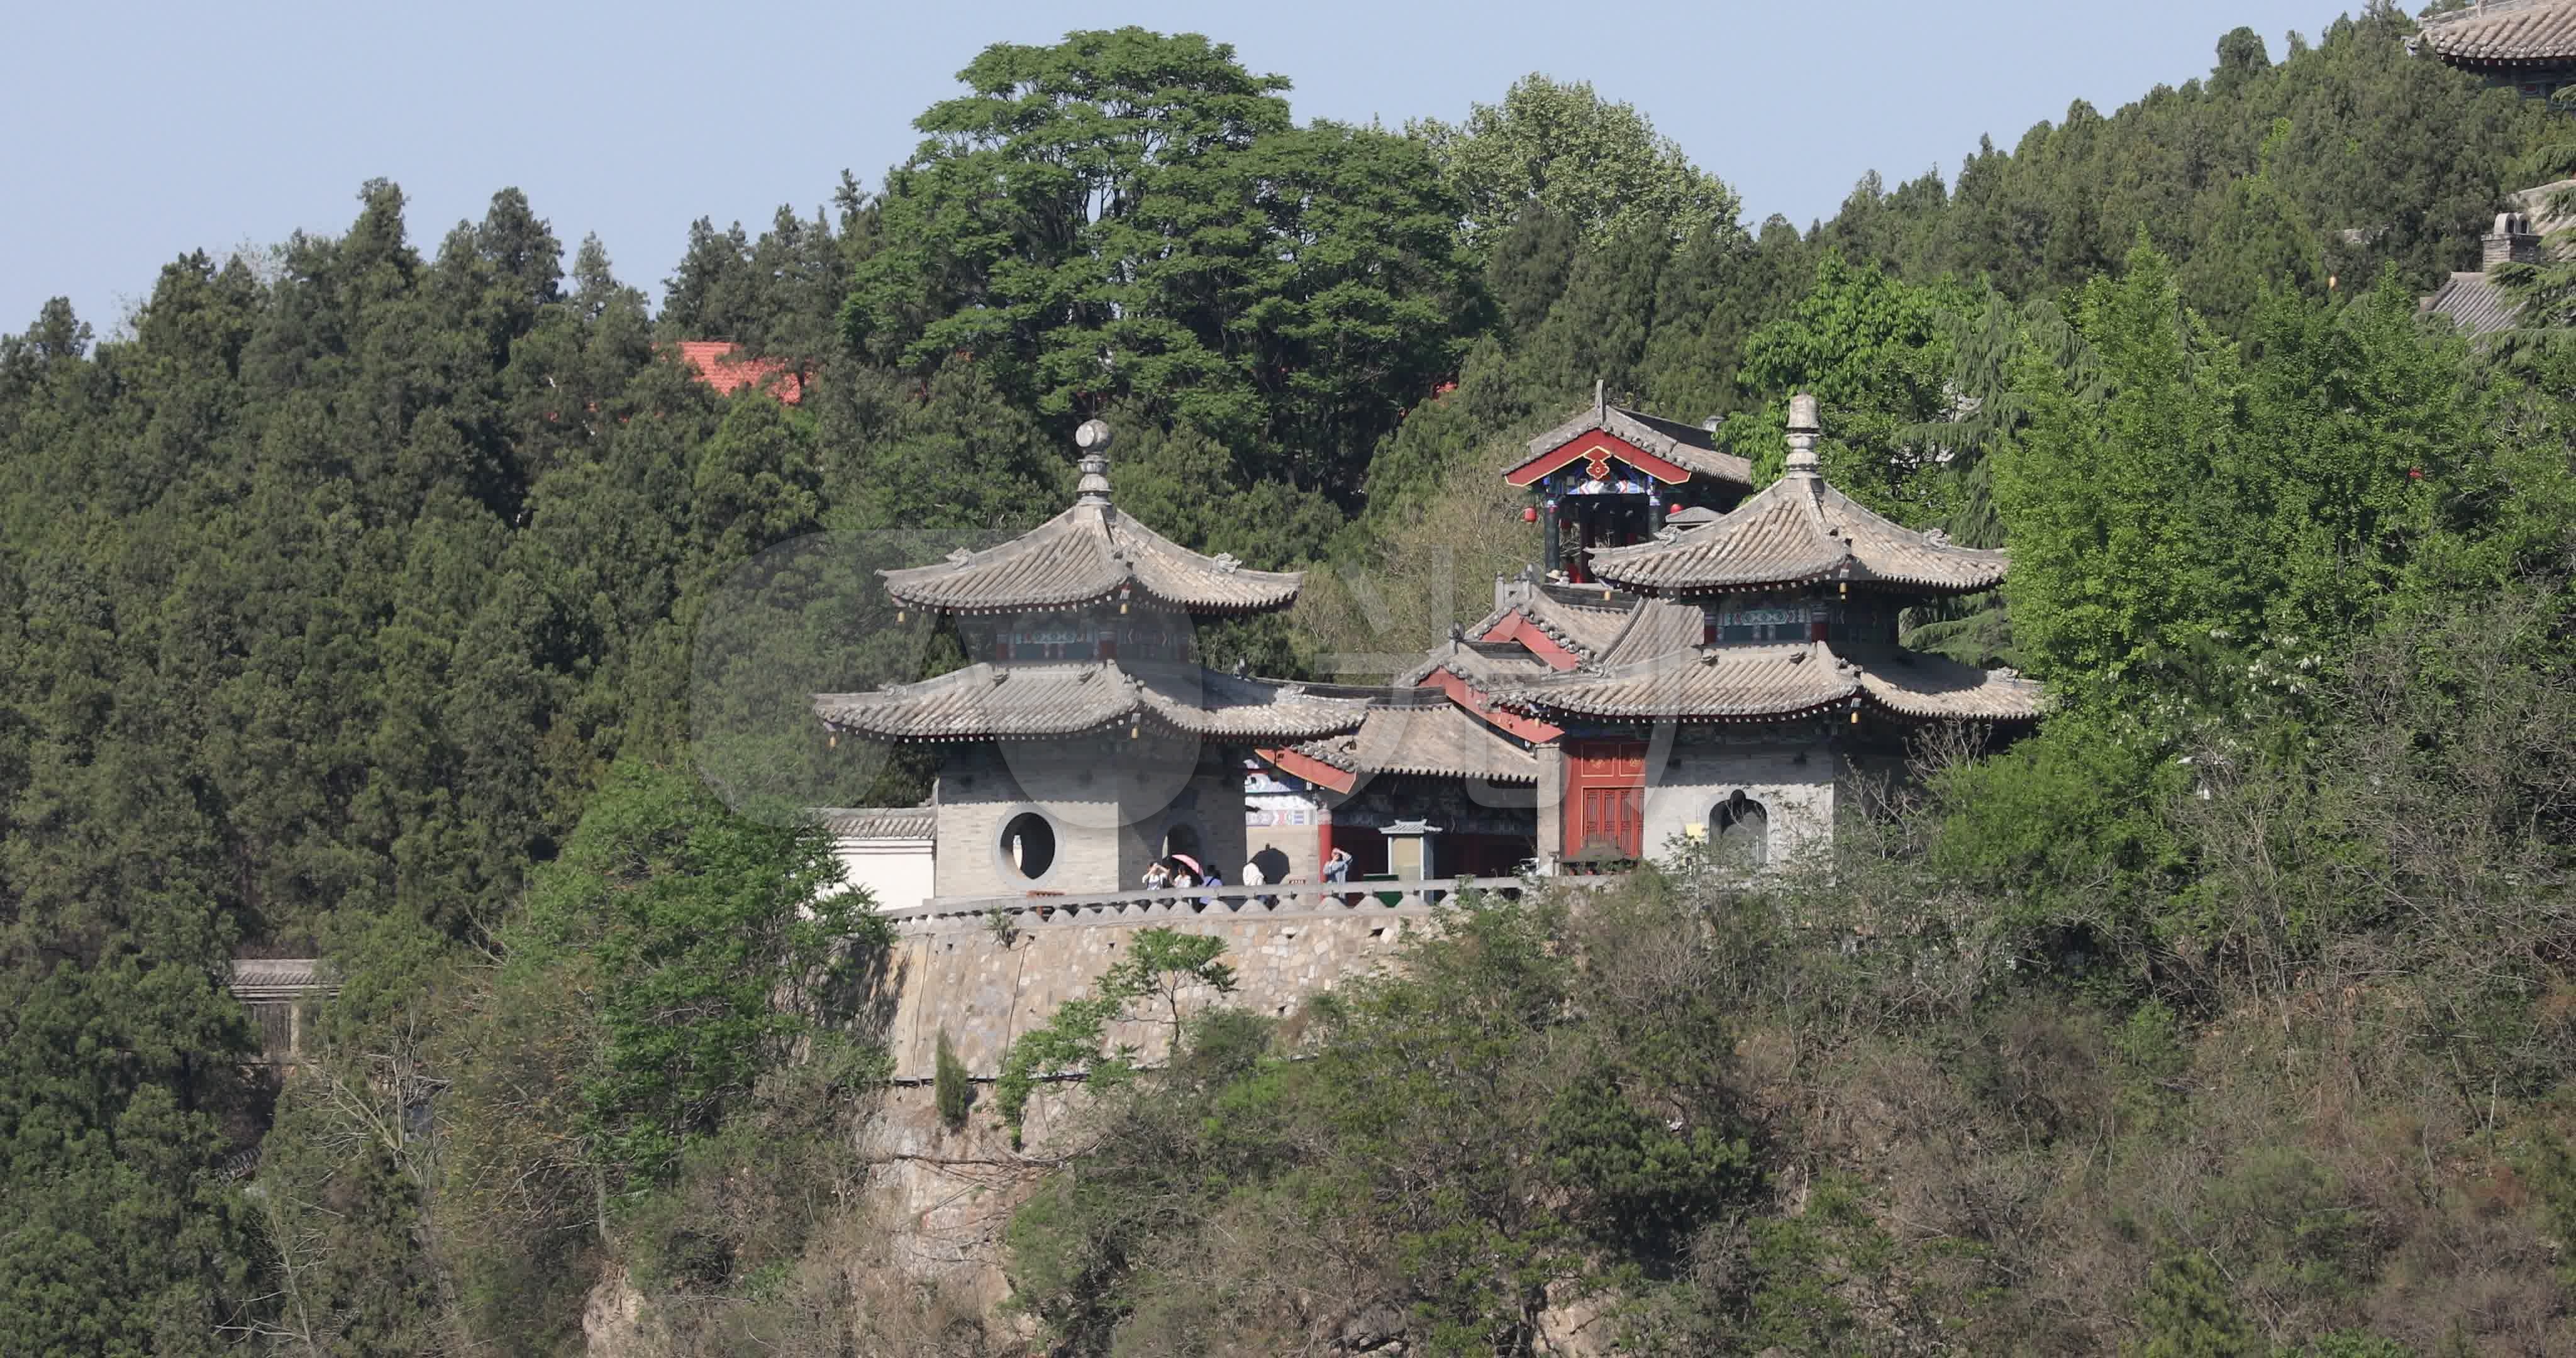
x: 1182, y: 838
x: 1028, y: 844
x: 1740, y: 828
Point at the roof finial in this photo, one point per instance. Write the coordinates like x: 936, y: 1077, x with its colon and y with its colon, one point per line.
x: 1093, y: 439
x: 1600, y: 402
x: 1803, y: 429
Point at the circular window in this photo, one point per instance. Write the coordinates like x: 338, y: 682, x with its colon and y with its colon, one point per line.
x: 1028, y: 844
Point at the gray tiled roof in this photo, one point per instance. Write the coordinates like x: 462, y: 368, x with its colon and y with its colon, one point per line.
x: 1775, y: 683
x: 1799, y: 530
x: 879, y: 822
x: 2474, y: 303
x: 1656, y: 627
x: 1688, y: 446
x: 278, y: 978
x: 1589, y: 620
x: 1036, y: 702
x: 1440, y: 741
x: 1086, y: 554
x: 2502, y: 32
x: 1479, y: 662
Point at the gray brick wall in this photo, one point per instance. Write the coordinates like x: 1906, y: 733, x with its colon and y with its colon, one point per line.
x: 1109, y: 801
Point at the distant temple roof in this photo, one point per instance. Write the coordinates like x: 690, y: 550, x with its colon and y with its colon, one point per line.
x: 278, y: 978
x: 2474, y: 303
x: 1036, y: 702
x: 1687, y: 450
x: 1798, y: 531
x: 1780, y: 682
x: 719, y: 364
x: 1088, y: 554
x: 1444, y: 741
x: 2502, y: 33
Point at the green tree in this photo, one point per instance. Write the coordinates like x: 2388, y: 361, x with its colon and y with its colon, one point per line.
x: 1142, y: 987
x: 1126, y: 214
x: 2119, y: 512
x: 1601, y: 165
x: 1876, y: 353
x: 2187, y: 1313
x: 704, y: 943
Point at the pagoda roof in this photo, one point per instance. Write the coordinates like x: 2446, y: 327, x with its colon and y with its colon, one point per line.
x: 2502, y: 33
x: 1687, y: 449
x: 1443, y: 741
x: 1781, y: 682
x: 1038, y: 702
x: 1088, y: 554
x: 1799, y: 530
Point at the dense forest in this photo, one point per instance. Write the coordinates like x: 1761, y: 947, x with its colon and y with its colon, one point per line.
x: 350, y: 605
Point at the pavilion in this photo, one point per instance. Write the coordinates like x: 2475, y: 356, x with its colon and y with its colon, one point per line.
x: 1086, y: 740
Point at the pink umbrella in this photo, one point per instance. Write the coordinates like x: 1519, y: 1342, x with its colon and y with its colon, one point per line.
x: 1191, y: 863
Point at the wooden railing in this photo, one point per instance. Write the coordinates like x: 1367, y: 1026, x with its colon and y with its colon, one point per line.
x: 1182, y: 903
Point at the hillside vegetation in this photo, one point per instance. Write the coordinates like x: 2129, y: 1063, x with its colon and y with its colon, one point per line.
x: 353, y: 598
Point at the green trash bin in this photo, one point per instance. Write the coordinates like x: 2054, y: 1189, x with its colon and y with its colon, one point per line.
x: 1391, y: 898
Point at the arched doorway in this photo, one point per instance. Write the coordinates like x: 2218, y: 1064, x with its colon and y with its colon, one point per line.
x: 1740, y: 831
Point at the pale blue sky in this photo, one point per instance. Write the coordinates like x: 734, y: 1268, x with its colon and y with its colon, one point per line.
x: 140, y: 131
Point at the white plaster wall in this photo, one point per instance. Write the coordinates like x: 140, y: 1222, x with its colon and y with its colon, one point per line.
x: 898, y: 873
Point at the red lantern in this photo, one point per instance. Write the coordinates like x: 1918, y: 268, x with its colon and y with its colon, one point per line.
x: 1529, y: 513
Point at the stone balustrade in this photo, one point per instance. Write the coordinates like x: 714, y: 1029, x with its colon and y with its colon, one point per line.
x: 1279, y: 900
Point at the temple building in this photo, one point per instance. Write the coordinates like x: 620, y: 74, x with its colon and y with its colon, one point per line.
x: 1725, y: 678
x: 2529, y: 45
x: 1610, y: 477
x: 1743, y: 730
x: 2475, y: 303
x: 1707, y: 664
x: 1086, y: 740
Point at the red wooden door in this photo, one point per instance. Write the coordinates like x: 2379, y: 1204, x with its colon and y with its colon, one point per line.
x: 1605, y: 796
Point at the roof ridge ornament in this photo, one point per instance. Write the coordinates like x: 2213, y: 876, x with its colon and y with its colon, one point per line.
x: 1803, y: 431
x: 1093, y: 438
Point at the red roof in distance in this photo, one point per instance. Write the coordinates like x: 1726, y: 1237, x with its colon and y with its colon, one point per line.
x: 716, y: 362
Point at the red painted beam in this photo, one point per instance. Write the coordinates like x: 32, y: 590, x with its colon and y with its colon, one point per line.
x: 1468, y: 696
x: 1599, y: 448
x: 1516, y: 626
x: 1308, y: 767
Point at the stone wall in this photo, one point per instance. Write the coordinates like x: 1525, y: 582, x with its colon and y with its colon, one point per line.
x: 957, y: 974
